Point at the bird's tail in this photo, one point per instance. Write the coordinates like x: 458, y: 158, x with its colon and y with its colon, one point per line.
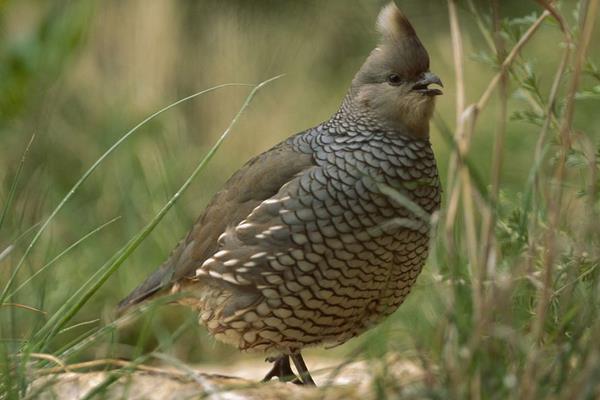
x: 152, y: 286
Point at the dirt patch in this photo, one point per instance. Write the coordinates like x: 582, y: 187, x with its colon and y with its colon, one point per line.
x: 356, y: 380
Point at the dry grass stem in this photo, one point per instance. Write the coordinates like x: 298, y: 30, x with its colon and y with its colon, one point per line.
x: 555, y: 201
x: 106, y: 362
x: 510, y: 58
x: 24, y: 307
x: 457, y: 53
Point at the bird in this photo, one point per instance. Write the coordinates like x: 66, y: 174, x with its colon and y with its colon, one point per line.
x: 321, y: 237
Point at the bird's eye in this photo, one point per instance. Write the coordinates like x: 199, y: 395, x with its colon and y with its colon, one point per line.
x: 394, y: 79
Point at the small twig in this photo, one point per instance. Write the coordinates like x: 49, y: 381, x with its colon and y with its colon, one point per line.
x: 558, y: 17
x: 509, y: 60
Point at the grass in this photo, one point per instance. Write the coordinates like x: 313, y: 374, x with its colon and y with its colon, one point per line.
x: 519, y: 338
x: 508, y: 305
x: 58, y: 321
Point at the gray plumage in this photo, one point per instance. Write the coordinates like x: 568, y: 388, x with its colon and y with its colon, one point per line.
x: 304, y: 245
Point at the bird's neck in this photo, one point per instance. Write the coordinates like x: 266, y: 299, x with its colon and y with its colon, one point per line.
x: 356, y: 115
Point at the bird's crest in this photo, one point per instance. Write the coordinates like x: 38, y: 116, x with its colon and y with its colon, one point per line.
x: 399, y: 46
x: 393, y: 24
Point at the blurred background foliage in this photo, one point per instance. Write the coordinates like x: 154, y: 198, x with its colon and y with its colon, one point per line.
x: 78, y: 74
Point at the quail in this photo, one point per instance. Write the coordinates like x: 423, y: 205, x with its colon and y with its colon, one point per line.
x: 321, y: 237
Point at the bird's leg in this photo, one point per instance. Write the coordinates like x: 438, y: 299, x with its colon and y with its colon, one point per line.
x: 281, y: 369
x: 305, y: 378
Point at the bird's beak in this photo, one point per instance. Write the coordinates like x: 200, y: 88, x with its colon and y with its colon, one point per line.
x: 428, y: 78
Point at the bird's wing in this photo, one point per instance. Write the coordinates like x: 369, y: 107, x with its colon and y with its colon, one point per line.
x: 295, y: 245
x: 259, y: 179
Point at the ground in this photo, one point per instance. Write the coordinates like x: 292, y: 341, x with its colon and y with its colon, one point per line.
x: 356, y: 380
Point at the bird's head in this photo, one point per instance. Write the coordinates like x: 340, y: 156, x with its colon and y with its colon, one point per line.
x: 394, y: 82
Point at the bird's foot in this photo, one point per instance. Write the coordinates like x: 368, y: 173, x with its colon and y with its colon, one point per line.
x: 305, y: 377
x: 282, y: 370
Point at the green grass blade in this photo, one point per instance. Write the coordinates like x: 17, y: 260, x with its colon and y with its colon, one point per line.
x: 90, y: 171
x: 13, y: 186
x: 62, y: 253
x: 113, y: 376
x: 6, y: 251
x: 73, y: 305
x: 84, y: 341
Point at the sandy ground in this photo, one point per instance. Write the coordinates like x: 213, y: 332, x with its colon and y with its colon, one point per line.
x: 354, y: 380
